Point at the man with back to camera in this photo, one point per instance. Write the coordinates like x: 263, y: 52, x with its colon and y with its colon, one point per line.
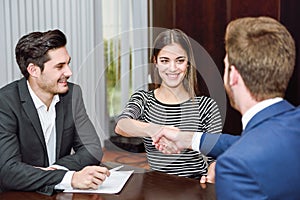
x: 43, y: 118
x: 263, y: 163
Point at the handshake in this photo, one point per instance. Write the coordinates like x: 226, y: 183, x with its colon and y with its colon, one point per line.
x: 171, y: 140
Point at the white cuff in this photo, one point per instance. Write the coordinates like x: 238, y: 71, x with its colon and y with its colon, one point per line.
x: 59, y: 167
x: 196, y: 141
x: 66, y: 181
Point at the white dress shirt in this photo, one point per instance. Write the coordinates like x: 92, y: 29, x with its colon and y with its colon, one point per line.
x: 258, y: 107
x: 245, y: 119
x: 47, y: 119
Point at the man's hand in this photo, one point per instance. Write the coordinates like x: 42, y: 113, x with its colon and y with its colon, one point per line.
x: 210, y: 178
x: 89, y: 177
x: 171, y: 140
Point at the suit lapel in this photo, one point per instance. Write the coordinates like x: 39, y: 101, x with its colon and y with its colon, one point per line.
x: 30, y: 111
x: 59, y: 125
x: 265, y: 114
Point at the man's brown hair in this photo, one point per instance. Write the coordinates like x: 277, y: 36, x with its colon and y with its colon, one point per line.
x: 263, y: 51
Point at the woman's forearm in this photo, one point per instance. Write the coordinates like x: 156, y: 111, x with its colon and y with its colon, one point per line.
x: 134, y: 128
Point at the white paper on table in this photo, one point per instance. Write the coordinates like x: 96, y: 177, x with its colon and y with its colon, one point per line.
x: 112, y: 184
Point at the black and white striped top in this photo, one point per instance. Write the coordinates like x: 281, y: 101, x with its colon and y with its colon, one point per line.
x: 200, y: 114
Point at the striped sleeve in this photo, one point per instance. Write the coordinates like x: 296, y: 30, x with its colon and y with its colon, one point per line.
x: 210, y: 115
x: 211, y: 118
x: 134, y: 108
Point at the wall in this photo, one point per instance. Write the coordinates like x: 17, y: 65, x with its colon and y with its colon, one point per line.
x: 205, y: 21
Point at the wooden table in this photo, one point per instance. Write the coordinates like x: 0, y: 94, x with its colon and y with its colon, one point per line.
x: 143, y: 184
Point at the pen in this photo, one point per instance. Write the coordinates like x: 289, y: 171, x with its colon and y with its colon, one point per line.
x: 116, y: 168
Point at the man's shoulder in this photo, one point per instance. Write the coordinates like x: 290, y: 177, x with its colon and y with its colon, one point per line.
x: 294, y: 113
x: 281, y: 123
x: 71, y: 85
x: 286, y: 109
x: 73, y: 89
x: 274, y: 133
x: 10, y: 88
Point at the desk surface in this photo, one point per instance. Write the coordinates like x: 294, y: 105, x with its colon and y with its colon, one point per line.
x: 141, y: 185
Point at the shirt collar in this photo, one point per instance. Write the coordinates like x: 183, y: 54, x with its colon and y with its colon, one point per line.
x: 256, y: 108
x: 37, y: 101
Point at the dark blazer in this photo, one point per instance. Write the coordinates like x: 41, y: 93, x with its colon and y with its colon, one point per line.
x: 264, y: 162
x: 22, y: 143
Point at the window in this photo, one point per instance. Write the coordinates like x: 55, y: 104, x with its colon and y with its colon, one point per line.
x: 125, y: 34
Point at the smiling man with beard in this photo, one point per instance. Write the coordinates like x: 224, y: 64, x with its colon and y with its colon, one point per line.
x: 42, y: 119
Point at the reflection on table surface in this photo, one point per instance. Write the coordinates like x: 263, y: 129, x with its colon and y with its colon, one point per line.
x: 147, y: 185
x: 143, y: 184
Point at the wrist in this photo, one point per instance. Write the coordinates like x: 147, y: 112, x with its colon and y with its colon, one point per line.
x: 73, y: 180
x: 195, y: 141
x: 152, y: 129
x: 187, y: 139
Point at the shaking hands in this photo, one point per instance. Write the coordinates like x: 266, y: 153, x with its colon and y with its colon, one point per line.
x: 170, y: 140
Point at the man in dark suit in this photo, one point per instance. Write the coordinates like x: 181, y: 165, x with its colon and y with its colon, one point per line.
x: 47, y: 140
x: 263, y: 163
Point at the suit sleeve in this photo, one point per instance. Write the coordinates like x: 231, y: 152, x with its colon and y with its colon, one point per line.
x: 215, y: 144
x: 86, y: 144
x: 15, y: 174
x: 234, y: 179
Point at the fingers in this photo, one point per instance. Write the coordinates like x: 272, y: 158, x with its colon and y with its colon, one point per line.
x: 204, y: 180
x: 155, y: 138
x: 164, y: 140
x: 210, y: 179
x: 211, y: 173
x: 165, y: 131
x: 169, y: 147
x: 89, y: 177
x: 99, y: 176
x: 166, y: 146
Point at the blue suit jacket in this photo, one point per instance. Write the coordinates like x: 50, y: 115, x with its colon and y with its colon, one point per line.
x: 22, y: 143
x: 264, y: 163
